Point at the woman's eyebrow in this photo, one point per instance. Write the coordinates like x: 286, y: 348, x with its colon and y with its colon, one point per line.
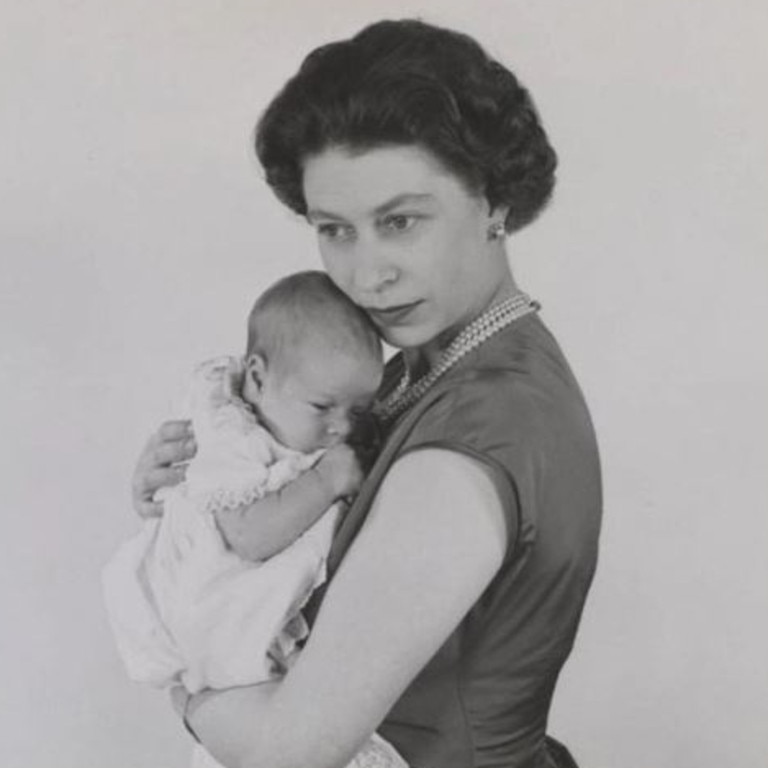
x: 398, y: 200
x: 317, y: 213
x: 379, y: 210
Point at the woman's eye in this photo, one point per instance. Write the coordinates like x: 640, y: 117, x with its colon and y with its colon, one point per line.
x: 398, y: 222
x: 332, y: 231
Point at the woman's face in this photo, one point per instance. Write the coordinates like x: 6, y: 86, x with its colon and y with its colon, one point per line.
x: 404, y: 238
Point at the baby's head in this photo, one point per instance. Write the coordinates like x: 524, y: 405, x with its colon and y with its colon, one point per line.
x: 313, y: 363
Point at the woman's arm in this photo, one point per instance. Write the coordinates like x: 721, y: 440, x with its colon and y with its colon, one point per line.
x: 262, y: 529
x: 433, y: 540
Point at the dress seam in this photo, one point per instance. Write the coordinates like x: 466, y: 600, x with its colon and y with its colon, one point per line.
x: 460, y: 687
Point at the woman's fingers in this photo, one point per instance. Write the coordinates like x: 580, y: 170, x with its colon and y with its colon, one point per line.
x: 173, y: 442
x: 148, y: 509
x: 175, y: 430
x: 147, y: 481
x: 162, y: 454
x: 160, y: 465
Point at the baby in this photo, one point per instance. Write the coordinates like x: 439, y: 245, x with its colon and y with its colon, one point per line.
x: 210, y: 594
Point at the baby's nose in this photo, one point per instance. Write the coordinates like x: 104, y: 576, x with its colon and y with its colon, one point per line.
x: 340, y: 427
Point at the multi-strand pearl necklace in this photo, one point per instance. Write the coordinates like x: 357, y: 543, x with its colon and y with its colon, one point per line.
x: 479, y: 330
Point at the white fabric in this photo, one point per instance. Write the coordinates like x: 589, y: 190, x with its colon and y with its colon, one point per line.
x: 183, y: 607
x: 375, y: 753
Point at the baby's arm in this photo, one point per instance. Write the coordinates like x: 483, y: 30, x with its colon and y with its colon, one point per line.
x: 263, y: 528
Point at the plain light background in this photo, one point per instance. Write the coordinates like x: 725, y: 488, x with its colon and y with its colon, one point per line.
x: 136, y: 231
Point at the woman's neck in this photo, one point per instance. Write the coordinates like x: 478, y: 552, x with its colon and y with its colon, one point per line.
x: 419, y: 360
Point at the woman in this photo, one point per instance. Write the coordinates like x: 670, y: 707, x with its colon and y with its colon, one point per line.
x: 460, y: 572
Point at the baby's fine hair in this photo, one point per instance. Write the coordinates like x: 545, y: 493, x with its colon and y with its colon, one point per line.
x: 306, y: 312
x: 411, y: 83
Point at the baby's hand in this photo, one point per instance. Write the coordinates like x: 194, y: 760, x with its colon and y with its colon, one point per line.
x: 340, y: 469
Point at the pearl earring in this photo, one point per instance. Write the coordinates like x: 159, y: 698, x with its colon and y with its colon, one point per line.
x: 497, y: 231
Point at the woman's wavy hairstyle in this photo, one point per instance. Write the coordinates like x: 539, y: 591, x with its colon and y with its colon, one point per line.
x: 408, y: 82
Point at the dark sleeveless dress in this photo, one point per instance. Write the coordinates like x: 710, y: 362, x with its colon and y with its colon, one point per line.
x: 514, y: 405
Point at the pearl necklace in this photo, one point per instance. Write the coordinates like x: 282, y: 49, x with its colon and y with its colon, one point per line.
x: 479, y: 330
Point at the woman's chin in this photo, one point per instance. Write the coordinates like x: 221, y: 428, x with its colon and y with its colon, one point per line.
x: 403, y: 337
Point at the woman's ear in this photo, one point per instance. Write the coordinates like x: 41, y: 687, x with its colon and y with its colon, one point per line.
x: 498, y: 212
x: 496, y: 223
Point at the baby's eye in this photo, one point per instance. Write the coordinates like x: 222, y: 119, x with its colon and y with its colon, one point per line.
x: 321, y: 407
x: 334, y: 231
x: 398, y: 222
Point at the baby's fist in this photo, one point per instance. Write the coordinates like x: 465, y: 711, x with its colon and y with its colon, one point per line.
x: 340, y: 469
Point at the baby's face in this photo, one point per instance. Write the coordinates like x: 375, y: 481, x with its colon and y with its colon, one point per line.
x: 314, y: 403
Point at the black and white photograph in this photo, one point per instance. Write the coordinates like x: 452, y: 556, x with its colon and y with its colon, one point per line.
x: 382, y: 384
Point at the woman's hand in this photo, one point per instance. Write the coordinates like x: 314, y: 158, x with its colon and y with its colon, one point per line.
x: 161, y: 465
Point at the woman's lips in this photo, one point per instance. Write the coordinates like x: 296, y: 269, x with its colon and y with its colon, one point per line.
x: 394, y: 315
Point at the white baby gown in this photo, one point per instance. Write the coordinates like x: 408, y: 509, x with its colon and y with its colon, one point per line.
x: 183, y: 607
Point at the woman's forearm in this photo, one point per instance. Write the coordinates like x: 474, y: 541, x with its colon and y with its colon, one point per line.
x: 248, y: 727
x: 363, y: 652
x: 229, y: 723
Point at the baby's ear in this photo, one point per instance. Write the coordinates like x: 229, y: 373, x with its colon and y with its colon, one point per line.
x: 255, y: 369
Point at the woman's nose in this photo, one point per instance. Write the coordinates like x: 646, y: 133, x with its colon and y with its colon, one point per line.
x: 373, y: 271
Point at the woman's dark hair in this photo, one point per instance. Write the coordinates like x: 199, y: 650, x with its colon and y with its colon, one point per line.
x: 408, y: 82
